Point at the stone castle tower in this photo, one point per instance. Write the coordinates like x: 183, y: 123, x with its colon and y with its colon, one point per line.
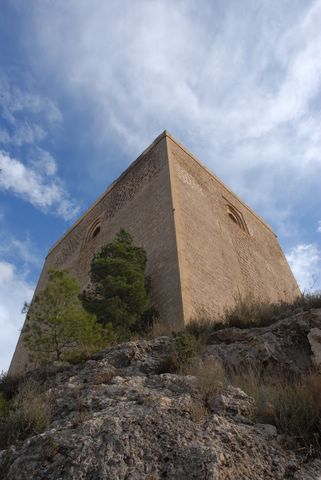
x: 204, y: 246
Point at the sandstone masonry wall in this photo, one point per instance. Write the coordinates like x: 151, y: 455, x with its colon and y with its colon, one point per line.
x: 139, y: 201
x: 204, y: 246
x: 218, y: 260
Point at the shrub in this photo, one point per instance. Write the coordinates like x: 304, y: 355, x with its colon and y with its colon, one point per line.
x: 57, y: 326
x: 293, y: 407
x: 119, y: 291
x: 28, y: 413
x: 168, y: 364
x: 297, y: 410
x: 160, y: 329
x: 3, y: 405
x: 9, y: 385
x: 210, y: 377
x: 184, y: 349
x: 201, y: 327
x: 181, y: 356
x: 104, y: 376
x: 310, y: 300
x: 251, y: 382
x: 249, y: 312
x: 198, y: 411
x: 145, y: 325
x: 246, y: 312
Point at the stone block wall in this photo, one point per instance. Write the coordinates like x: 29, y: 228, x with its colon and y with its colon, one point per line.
x: 139, y: 201
x: 204, y: 246
x: 220, y: 258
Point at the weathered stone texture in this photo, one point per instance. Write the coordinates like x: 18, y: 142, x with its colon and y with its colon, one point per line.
x: 218, y: 260
x: 198, y: 258
x: 121, y: 415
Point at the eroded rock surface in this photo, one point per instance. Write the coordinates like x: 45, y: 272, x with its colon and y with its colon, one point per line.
x: 290, y: 346
x: 117, y: 416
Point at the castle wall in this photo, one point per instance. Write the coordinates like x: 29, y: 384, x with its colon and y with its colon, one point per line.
x: 219, y: 261
x: 139, y: 201
x: 205, y: 248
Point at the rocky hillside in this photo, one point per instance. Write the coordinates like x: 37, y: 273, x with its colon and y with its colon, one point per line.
x: 123, y: 415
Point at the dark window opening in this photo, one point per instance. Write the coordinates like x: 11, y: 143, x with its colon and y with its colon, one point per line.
x: 232, y: 217
x: 96, y: 231
x: 236, y: 217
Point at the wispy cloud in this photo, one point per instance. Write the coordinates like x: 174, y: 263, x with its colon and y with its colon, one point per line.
x: 15, y: 250
x: 23, y: 133
x: 305, y: 261
x: 35, y: 184
x: 26, y: 120
x: 19, y: 257
x: 239, y: 84
x: 27, y: 115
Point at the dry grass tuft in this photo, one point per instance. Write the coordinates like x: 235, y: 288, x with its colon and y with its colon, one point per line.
x: 310, y: 300
x: 198, y: 412
x: 201, y: 327
x: 161, y: 329
x: 9, y: 385
x: 248, y: 312
x: 104, y: 376
x: 28, y: 413
x: 293, y: 407
x: 210, y: 377
x: 3, y: 405
x: 251, y: 382
x: 79, y: 418
x: 297, y: 410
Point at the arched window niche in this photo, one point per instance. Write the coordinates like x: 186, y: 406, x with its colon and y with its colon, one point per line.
x: 93, y: 230
x: 236, y: 217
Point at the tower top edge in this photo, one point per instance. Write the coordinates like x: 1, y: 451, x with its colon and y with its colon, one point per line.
x: 165, y: 134
x: 217, y: 179
x: 132, y: 165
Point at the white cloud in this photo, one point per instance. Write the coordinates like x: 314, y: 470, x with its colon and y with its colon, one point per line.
x: 188, y: 68
x: 17, y: 258
x: 25, y: 133
x: 14, y: 250
x: 240, y: 84
x: 319, y: 226
x: 35, y: 184
x: 22, y: 116
x: 45, y: 163
x: 14, y: 291
x: 17, y: 103
x: 305, y: 261
x: 28, y: 118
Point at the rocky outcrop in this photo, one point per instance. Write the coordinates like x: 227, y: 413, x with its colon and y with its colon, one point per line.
x: 121, y: 415
x: 289, y: 347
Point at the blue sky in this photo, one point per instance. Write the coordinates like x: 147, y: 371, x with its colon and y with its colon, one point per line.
x: 85, y: 86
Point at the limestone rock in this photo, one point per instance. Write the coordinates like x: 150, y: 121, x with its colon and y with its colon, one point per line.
x: 232, y: 401
x: 284, y: 347
x: 117, y: 416
x: 314, y: 338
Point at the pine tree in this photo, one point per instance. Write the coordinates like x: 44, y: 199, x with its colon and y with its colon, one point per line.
x: 118, y: 292
x: 57, y: 327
